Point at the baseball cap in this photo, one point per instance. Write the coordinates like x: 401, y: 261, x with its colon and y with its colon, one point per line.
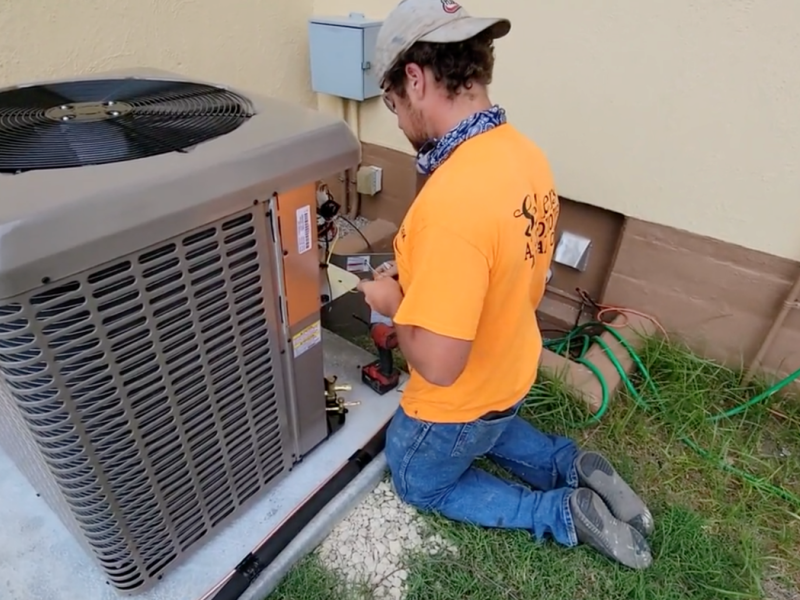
x: 436, y: 21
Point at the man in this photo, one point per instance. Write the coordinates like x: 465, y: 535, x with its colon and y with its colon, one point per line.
x: 471, y: 261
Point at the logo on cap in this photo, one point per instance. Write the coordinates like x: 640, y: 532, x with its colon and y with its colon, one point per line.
x: 450, y: 6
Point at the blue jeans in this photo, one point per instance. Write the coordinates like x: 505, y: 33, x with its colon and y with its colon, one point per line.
x: 432, y: 469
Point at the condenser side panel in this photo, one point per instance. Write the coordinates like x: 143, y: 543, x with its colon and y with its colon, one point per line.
x: 152, y: 390
x: 19, y: 445
x: 296, y: 218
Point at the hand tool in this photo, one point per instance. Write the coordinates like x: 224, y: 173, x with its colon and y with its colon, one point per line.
x: 381, y: 375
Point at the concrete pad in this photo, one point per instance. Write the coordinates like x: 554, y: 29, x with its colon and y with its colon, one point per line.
x: 40, y: 560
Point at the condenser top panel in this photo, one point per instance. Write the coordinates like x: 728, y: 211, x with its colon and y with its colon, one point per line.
x: 117, y: 161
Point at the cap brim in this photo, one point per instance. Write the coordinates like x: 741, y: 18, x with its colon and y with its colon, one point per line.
x: 466, y: 28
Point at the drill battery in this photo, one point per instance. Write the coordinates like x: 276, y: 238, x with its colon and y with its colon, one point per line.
x: 381, y: 375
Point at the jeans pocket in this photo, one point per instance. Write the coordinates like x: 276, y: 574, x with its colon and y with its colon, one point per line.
x: 480, y: 436
x: 404, y: 438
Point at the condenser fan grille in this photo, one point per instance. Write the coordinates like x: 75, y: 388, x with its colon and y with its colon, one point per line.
x: 95, y: 122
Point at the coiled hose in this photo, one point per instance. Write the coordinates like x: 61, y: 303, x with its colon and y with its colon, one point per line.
x: 577, y: 343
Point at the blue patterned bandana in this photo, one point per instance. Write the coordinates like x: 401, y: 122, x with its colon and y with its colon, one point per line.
x: 434, y: 153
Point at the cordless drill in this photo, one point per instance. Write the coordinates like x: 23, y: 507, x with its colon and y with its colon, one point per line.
x: 381, y: 375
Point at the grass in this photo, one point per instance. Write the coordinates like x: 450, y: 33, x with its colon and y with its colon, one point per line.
x: 311, y: 580
x: 717, y: 536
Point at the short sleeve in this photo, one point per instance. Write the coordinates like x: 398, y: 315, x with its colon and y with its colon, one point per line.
x: 448, y: 283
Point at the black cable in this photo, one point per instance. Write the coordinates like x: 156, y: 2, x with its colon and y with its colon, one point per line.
x: 364, y: 321
x: 560, y: 333
x: 358, y: 231
x: 325, y: 264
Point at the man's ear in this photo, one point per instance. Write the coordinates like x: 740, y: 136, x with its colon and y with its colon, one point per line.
x: 415, y: 80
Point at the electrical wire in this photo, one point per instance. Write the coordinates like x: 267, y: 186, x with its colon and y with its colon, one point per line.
x: 337, y: 233
x: 357, y: 229
x: 331, y: 246
x: 328, y: 252
x: 330, y: 225
x: 605, y: 313
x: 576, y: 343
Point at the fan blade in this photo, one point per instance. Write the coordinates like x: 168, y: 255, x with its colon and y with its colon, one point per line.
x: 184, y: 132
x: 36, y: 144
x: 42, y: 96
x: 100, y: 142
x: 182, y: 94
x: 157, y: 142
x: 14, y: 120
x: 180, y: 114
x: 132, y: 88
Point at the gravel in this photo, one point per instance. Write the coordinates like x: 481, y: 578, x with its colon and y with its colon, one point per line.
x: 369, y: 546
x: 347, y: 227
x: 777, y: 591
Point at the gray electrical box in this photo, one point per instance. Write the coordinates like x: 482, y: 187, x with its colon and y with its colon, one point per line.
x: 342, y: 51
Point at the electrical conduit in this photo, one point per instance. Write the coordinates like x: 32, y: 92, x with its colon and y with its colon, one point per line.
x: 353, y: 119
x: 349, y: 112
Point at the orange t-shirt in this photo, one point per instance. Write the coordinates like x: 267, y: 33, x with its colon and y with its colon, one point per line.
x: 472, y: 257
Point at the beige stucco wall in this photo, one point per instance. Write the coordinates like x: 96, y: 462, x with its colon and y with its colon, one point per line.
x: 256, y: 44
x: 681, y: 112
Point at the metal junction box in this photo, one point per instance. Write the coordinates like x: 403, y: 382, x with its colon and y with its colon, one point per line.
x: 342, y: 52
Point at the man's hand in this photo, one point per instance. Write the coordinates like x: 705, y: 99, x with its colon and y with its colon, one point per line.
x: 387, y: 269
x: 439, y: 359
x: 383, y: 295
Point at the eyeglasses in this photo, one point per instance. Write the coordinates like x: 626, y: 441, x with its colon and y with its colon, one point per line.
x: 389, y: 103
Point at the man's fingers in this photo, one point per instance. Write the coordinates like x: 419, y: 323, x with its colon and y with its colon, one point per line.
x: 387, y: 269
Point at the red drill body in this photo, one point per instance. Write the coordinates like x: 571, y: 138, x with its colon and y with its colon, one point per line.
x: 381, y: 375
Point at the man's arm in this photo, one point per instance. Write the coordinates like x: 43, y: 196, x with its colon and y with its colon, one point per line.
x: 439, y: 359
x: 438, y: 317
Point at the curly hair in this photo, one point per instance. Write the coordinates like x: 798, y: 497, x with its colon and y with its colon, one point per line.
x: 457, y: 66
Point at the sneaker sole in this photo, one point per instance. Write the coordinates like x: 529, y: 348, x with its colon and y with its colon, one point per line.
x: 616, y: 540
x: 624, y: 503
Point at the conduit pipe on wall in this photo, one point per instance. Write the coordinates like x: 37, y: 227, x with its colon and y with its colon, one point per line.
x: 353, y: 119
x: 792, y: 301
x: 349, y: 112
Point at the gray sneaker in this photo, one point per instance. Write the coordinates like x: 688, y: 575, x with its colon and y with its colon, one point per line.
x: 597, y: 474
x: 595, y: 526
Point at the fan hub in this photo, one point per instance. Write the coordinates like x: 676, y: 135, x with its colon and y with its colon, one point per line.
x: 88, y: 111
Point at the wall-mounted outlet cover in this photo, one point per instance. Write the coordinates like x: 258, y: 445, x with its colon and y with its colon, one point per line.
x: 369, y: 180
x: 572, y: 251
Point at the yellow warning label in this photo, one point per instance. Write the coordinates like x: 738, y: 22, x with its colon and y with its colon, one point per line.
x: 307, y: 338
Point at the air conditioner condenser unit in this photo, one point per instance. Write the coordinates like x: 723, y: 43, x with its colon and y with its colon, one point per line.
x: 160, y: 356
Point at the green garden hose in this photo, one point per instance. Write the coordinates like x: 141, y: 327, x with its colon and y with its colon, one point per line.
x: 583, y: 336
